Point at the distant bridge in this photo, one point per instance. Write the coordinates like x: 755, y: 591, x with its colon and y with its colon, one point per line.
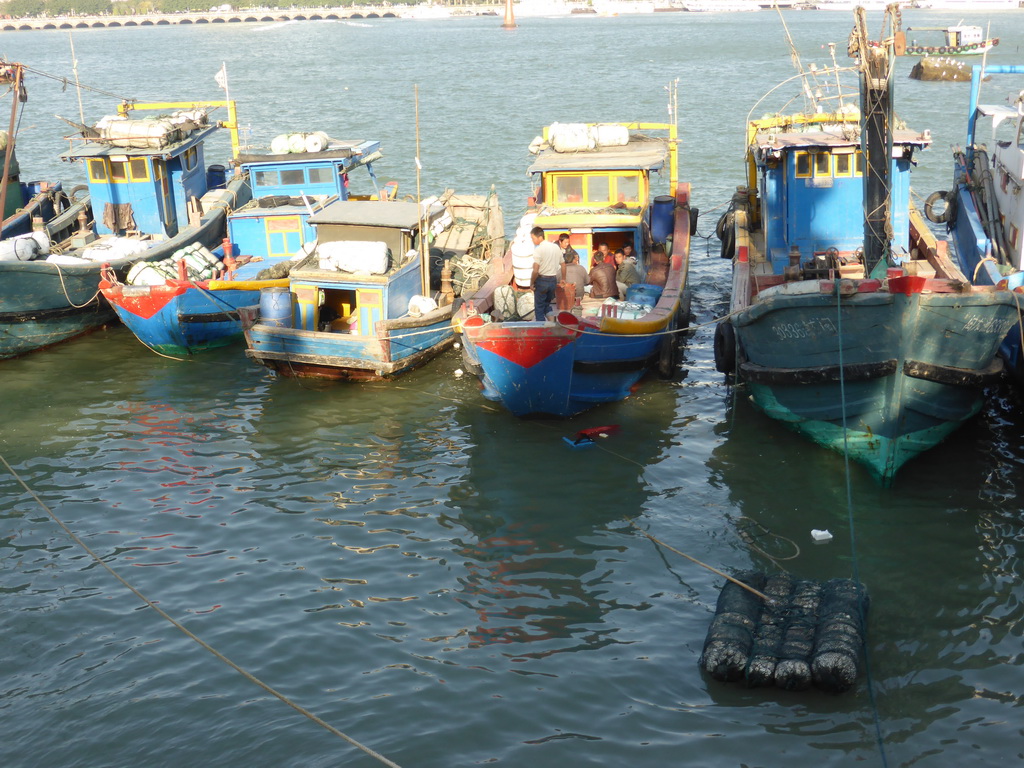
x: 233, y: 17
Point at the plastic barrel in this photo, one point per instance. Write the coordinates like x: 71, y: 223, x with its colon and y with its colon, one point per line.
x: 276, y: 307
x: 216, y: 177
x: 662, y: 214
x: 644, y: 293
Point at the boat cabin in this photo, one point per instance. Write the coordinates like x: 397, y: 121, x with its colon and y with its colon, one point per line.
x: 145, y: 176
x: 366, y: 267
x: 594, y: 182
x: 288, y: 188
x: 811, y: 188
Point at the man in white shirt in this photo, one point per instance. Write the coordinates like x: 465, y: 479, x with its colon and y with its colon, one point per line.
x: 547, y: 266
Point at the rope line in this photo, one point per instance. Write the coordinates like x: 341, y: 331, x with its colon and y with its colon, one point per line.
x: 247, y: 675
x: 853, y: 538
x: 737, y: 582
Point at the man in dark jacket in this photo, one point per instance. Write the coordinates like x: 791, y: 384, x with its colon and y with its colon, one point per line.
x: 602, y: 281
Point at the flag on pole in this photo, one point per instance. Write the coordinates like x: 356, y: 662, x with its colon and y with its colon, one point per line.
x: 222, y: 76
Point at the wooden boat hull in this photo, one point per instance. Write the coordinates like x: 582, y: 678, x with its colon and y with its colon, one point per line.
x: 41, y: 303
x: 396, y: 347
x: 178, y: 317
x: 564, y: 367
x: 880, y: 374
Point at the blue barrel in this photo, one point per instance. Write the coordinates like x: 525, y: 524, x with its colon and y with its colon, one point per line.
x: 662, y: 215
x: 276, y: 307
x: 644, y: 293
x: 216, y: 177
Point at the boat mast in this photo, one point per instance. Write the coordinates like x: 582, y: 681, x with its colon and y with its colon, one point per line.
x: 19, y: 96
x: 876, y: 88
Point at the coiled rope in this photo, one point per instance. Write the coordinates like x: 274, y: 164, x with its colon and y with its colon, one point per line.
x: 247, y: 675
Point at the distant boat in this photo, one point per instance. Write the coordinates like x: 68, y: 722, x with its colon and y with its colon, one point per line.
x: 361, y: 305
x: 594, y: 183
x: 958, y: 40
x: 859, y: 332
x: 985, y: 211
x: 189, y: 302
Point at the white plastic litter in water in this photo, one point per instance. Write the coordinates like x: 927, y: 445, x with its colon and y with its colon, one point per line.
x: 458, y: 373
x: 819, y: 535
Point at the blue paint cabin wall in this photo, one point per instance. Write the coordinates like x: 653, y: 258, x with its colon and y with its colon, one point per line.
x: 820, y: 212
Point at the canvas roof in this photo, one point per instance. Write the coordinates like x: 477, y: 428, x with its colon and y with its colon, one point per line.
x: 642, y: 152
x: 370, y: 213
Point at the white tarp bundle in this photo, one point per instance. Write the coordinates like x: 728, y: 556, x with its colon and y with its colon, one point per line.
x: 115, y: 249
x: 25, y: 247
x: 355, y: 256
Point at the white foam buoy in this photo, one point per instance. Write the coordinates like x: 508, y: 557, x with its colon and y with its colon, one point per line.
x: 820, y: 535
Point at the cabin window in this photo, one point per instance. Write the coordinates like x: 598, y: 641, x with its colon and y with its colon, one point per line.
x: 139, y: 169
x: 569, y: 189
x: 803, y: 165
x: 191, y: 158
x: 627, y: 189
x: 823, y: 164
x: 844, y: 165
x: 294, y: 176
x: 97, y: 170
x: 268, y: 179
x: 118, y: 171
x: 598, y: 189
x: 858, y: 168
x: 320, y: 176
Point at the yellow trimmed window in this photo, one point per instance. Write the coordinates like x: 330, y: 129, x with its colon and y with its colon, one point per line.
x: 191, y: 158
x: 139, y: 169
x: 802, y: 165
x: 98, y: 170
x: 843, y: 165
x: 598, y: 189
x: 627, y: 188
x: 822, y: 164
x: 568, y: 189
x: 118, y: 171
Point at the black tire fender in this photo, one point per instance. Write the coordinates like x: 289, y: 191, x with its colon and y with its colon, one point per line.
x: 725, y: 348
x: 929, y: 207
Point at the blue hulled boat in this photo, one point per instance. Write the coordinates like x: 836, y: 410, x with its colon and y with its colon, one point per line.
x: 362, y: 305
x: 594, y: 183
x: 150, y: 195
x: 858, y: 331
x: 985, y: 211
x: 191, y: 302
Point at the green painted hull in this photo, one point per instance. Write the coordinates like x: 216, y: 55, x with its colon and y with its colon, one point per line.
x: 880, y: 376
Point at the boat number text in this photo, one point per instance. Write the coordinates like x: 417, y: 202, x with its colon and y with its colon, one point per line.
x: 995, y: 325
x: 808, y: 329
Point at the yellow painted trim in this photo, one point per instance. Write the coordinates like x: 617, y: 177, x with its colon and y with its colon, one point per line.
x: 231, y: 123
x: 635, y: 327
x: 848, y: 173
x: 797, y: 157
x: 102, y: 164
x: 246, y: 285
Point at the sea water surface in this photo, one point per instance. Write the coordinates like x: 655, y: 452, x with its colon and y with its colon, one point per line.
x: 447, y: 584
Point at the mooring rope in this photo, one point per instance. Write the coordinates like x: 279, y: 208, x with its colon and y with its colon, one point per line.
x: 247, y: 675
x: 853, y: 538
x: 737, y: 582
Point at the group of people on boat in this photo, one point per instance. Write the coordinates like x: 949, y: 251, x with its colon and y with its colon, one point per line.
x: 556, y: 261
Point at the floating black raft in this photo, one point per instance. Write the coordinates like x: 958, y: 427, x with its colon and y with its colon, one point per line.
x: 811, y: 632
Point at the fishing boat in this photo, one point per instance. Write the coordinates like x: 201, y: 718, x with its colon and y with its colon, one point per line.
x: 361, y: 305
x: 189, y: 303
x: 151, y: 195
x: 958, y: 40
x: 984, y: 211
x: 594, y: 182
x: 37, y: 216
x: 858, y: 331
